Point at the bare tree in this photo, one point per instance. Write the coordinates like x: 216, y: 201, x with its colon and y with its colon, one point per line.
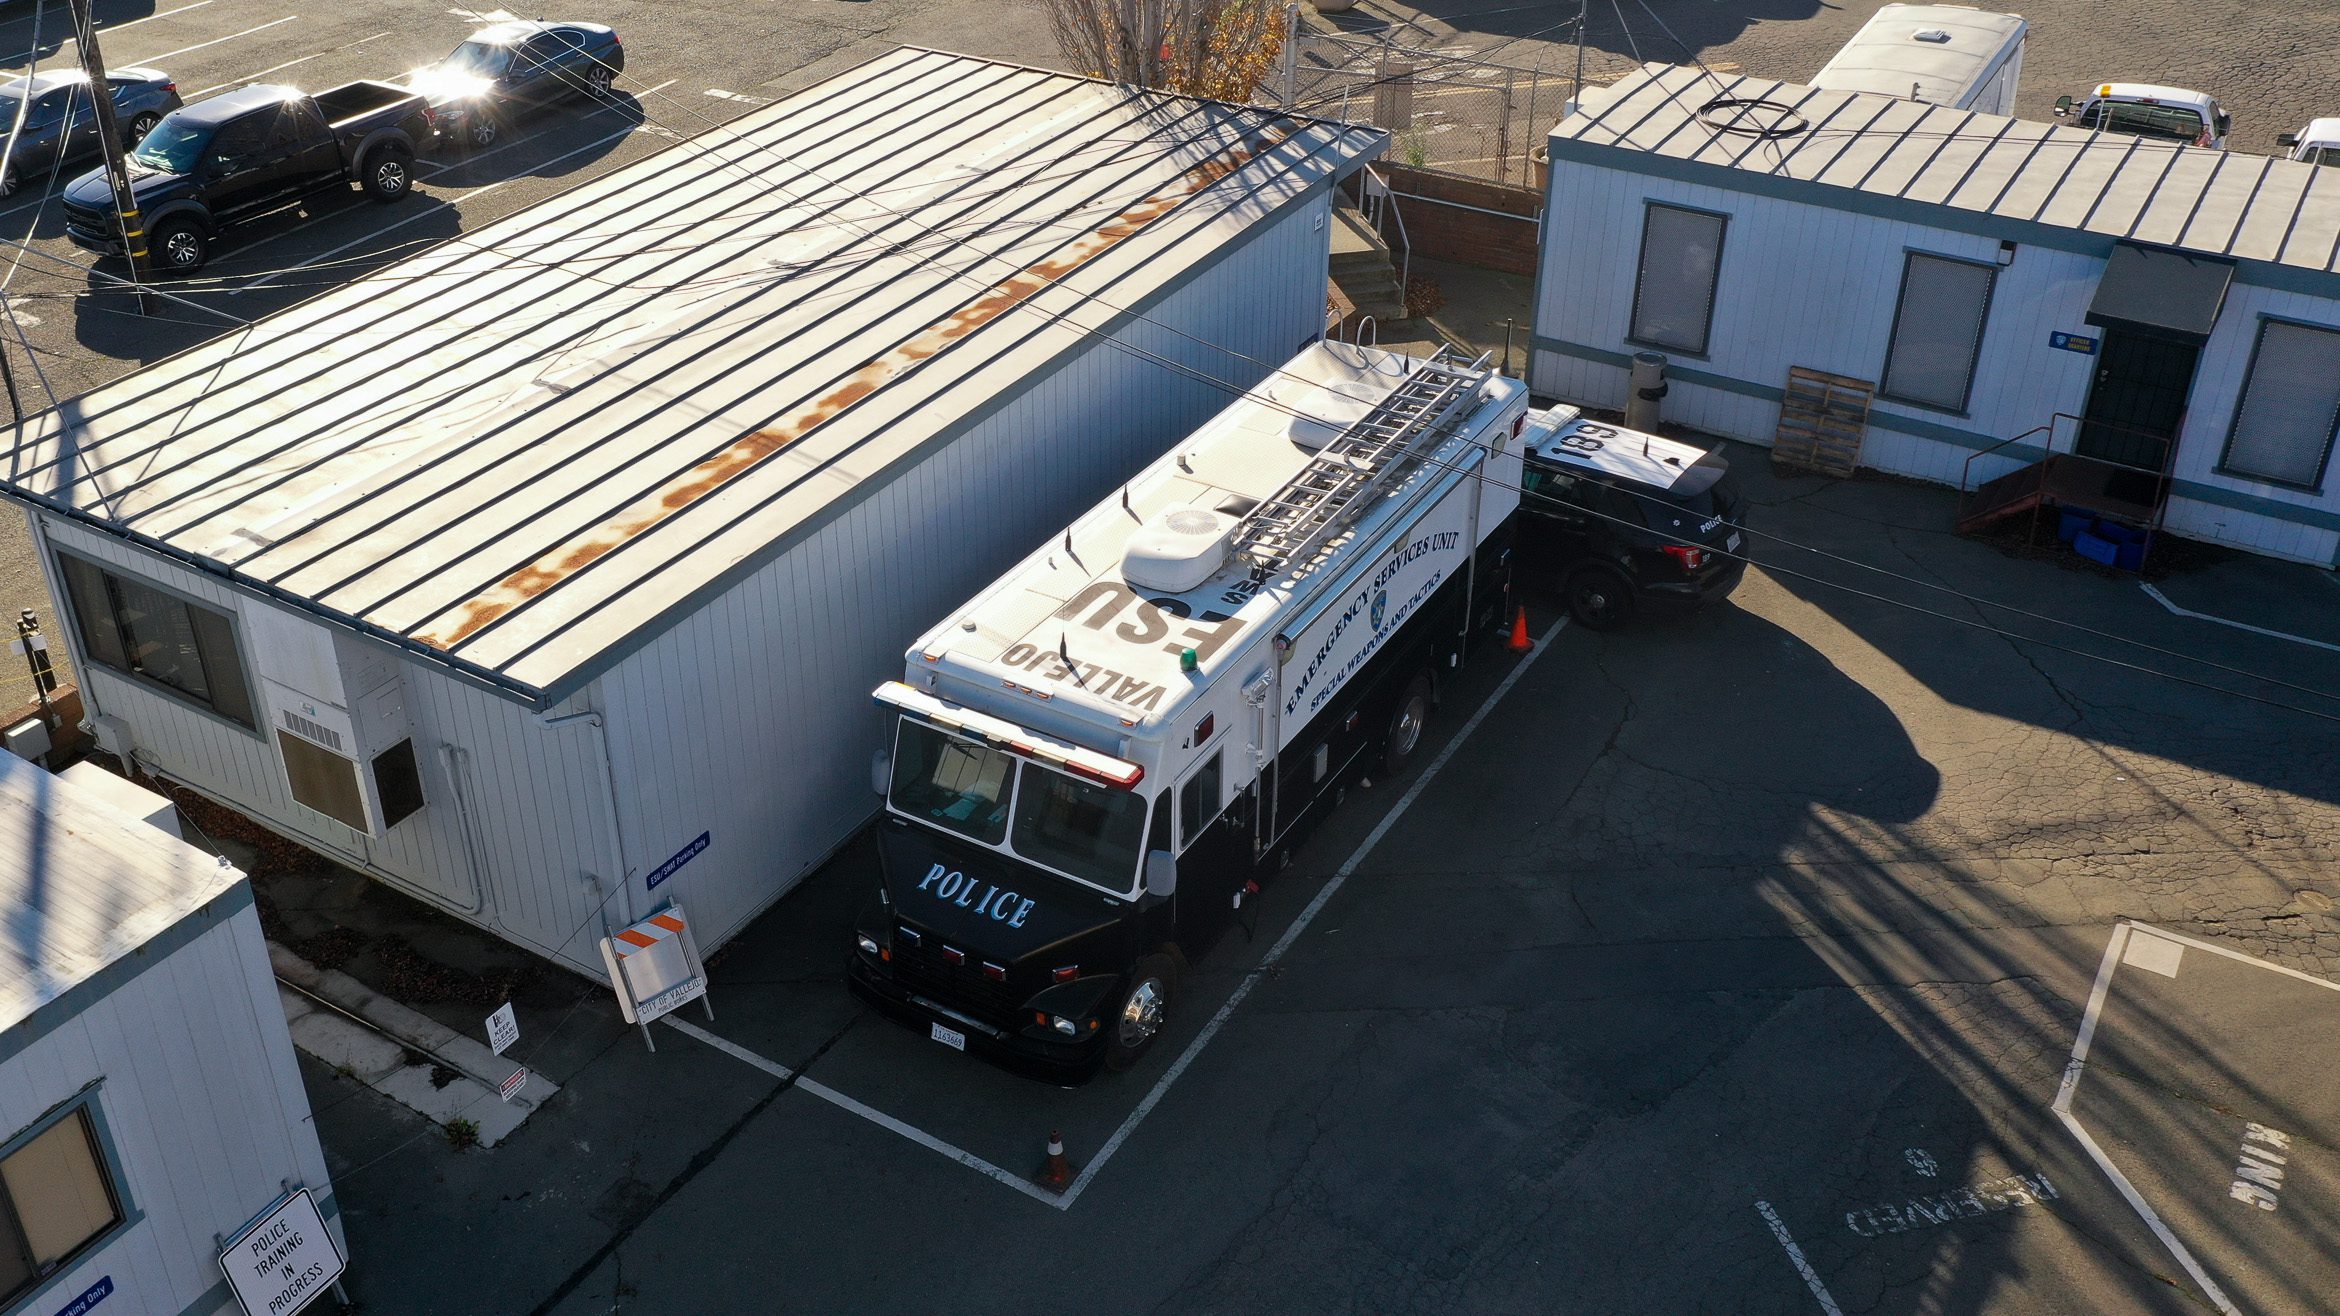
x: 1221, y: 49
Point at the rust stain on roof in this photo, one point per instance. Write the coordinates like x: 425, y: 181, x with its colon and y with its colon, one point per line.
x: 745, y: 454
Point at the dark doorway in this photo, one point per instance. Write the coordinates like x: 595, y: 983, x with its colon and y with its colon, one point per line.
x: 2138, y: 400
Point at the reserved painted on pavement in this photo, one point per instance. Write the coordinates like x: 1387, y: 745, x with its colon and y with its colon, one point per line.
x: 1986, y: 1198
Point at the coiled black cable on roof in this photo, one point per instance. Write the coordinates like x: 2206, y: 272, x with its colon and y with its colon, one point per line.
x: 1744, y: 116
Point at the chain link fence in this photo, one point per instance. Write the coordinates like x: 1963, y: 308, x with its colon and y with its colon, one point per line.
x: 1447, y: 109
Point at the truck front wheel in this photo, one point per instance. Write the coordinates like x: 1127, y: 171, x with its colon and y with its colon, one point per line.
x: 178, y: 246
x: 1145, y: 1007
x: 389, y: 173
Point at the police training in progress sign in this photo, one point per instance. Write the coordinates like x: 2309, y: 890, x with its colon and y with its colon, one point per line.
x: 283, y: 1261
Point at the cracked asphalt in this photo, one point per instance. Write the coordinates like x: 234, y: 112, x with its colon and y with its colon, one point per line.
x: 1793, y: 906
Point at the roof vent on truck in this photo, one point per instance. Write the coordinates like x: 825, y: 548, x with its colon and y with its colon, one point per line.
x: 1177, y: 551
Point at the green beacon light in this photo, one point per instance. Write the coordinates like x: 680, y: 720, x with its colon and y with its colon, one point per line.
x: 1187, y: 661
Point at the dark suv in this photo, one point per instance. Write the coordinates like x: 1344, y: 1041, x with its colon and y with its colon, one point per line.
x: 1618, y: 520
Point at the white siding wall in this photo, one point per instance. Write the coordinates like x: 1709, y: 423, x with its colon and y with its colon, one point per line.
x: 537, y: 795
x: 753, y: 720
x: 202, y: 1098
x: 2218, y: 385
x: 1805, y: 285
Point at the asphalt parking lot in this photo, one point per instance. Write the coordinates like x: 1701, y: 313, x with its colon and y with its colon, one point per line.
x: 1730, y: 966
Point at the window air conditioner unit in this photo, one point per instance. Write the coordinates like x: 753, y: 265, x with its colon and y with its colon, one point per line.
x: 337, y: 716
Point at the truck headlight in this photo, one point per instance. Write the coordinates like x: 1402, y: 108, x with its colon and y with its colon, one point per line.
x: 867, y: 943
x: 1064, y: 1025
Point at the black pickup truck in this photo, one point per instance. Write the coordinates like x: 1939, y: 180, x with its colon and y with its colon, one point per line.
x: 245, y: 154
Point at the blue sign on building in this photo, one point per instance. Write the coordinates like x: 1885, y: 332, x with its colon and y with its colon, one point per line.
x: 681, y: 857
x: 2080, y: 343
x: 92, y: 1296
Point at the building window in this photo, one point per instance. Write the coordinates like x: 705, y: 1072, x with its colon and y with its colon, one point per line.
x: 162, y: 639
x: 2290, y: 405
x: 1937, y: 331
x: 1681, y: 256
x: 56, y: 1198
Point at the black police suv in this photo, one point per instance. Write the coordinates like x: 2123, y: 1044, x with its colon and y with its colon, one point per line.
x: 1618, y: 521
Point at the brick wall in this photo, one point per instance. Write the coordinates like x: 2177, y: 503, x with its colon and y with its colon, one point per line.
x: 1468, y: 237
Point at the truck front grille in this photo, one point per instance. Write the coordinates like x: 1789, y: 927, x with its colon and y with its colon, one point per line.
x: 919, y: 965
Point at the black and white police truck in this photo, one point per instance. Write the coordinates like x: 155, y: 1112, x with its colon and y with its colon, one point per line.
x: 1093, y: 759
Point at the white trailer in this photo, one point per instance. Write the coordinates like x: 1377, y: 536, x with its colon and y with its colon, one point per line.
x: 542, y: 575
x: 1952, y: 55
x: 150, y: 1102
x: 1094, y: 756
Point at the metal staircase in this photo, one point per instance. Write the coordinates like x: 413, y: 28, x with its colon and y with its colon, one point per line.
x: 1338, y: 483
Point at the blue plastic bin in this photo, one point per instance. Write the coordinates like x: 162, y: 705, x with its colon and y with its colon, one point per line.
x: 2070, y: 524
x: 2095, y: 548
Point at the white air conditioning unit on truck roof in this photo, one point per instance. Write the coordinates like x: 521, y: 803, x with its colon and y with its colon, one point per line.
x: 1092, y: 760
x: 336, y: 714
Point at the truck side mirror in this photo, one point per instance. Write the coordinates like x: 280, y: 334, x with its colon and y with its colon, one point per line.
x: 2288, y: 141
x: 881, y: 772
x: 2063, y: 106
x: 2225, y: 123
x: 1161, y: 872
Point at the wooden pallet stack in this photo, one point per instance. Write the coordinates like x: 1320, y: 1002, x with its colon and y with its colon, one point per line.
x: 1822, y: 419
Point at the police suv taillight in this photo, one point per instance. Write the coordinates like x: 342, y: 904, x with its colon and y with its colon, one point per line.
x: 1691, y: 558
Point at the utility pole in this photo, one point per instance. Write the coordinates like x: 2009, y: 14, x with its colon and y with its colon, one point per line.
x: 101, y: 101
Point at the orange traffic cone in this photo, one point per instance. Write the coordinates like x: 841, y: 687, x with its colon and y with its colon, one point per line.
x: 1519, y: 642
x: 1057, y: 1175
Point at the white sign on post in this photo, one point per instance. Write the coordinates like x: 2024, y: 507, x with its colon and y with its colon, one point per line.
x: 283, y: 1261
x: 654, y: 965
x: 502, y: 1029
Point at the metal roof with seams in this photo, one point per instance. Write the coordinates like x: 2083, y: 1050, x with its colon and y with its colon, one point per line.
x: 1928, y: 163
x: 621, y: 400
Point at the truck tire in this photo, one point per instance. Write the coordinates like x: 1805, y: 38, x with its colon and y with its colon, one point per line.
x: 1405, y: 726
x: 388, y: 173
x: 1145, y: 1007
x: 1599, y: 598
x: 178, y: 246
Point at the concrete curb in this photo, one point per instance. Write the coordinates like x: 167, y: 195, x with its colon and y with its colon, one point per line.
x: 378, y: 1050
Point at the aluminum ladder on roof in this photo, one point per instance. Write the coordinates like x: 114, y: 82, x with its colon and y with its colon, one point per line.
x: 1338, y: 483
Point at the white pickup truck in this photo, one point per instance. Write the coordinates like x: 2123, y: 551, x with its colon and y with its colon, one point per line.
x: 2141, y: 109
x: 2318, y: 143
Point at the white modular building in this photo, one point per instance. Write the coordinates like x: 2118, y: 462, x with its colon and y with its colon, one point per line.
x: 2131, y: 326
x: 150, y: 1104
x: 544, y: 575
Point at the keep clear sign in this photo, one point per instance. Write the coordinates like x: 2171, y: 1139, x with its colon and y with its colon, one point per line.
x: 280, y: 1264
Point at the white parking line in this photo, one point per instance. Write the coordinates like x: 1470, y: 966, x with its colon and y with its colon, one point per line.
x: 322, y: 257
x: 278, y: 68
x: 1202, y: 1039
x: 1796, y: 1254
x: 107, y: 29
x: 2163, y: 600
x: 813, y: 1087
x: 215, y: 41
x: 1307, y: 916
x: 2062, y: 1106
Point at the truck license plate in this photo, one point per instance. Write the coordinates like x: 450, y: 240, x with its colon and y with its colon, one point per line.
x: 950, y: 1037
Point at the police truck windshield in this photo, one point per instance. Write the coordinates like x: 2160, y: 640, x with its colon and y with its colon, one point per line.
x: 1069, y: 826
